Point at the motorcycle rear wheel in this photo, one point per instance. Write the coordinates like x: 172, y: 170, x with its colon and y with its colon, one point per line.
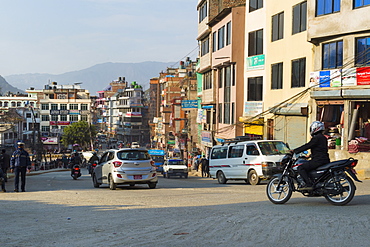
x: 282, y: 195
x: 348, y: 191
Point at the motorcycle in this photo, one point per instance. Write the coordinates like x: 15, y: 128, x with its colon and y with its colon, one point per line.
x: 334, y: 181
x: 91, y: 167
x: 76, y: 172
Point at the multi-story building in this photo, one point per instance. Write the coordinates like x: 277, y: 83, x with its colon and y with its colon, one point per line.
x: 60, y: 106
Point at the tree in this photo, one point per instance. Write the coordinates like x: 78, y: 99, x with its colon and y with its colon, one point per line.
x: 80, y: 132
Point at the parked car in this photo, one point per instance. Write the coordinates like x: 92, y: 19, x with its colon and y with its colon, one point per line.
x: 125, y: 166
x: 175, y: 167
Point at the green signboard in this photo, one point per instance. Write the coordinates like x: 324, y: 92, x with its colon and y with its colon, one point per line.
x: 256, y: 62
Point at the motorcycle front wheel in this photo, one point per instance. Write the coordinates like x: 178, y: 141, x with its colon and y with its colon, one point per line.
x: 279, y: 194
x: 341, y: 192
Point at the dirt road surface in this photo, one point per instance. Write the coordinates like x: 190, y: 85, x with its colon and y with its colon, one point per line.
x: 59, y: 211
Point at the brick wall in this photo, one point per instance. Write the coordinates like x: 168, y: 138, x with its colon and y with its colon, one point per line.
x: 216, y: 6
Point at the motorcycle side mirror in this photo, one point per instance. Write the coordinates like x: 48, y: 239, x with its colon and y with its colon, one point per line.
x: 305, y: 152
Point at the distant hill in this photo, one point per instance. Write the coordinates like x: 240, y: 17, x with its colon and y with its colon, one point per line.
x: 95, y: 78
x: 5, y: 87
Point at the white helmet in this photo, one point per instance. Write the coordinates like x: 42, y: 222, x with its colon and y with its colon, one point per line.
x: 316, y: 127
x: 20, y: 143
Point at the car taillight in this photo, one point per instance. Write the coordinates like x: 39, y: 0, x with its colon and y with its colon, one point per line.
x: 117, y: 163
x: 154, y: 174
x: 152, y: 163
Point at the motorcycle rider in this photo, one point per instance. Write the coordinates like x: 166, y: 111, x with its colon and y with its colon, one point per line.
x: 94, y: 159
x: 319, y: 152
x: 75, y: 160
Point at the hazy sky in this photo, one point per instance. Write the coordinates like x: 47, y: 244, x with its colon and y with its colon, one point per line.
x: 57, y: 36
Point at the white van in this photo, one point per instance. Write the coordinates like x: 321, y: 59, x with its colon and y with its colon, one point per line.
x: 250, y: 161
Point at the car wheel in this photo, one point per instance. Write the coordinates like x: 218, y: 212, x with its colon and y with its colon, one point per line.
x: 95, y: 181
x: 164, y: 175
x: 253, y: 177
x: 168, y: 175
x: 112, y: 184
x: 186, y: 176
x: 221, y: 178
x: 152, y: 185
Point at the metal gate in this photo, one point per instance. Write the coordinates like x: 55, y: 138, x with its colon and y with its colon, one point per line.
x: 291, y: 129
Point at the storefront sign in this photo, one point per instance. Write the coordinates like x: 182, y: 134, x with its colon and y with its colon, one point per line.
x: 363, y: 76
x: 189, y: 104
x: 349, y: 77
x: 256, y: 62
x: 74, y: 112
x: 206, y: 138
x: 59, y: 123
x: 54, y: 112
x: 252, y: 108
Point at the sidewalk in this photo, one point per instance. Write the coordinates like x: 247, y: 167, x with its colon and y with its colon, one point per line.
x: 33, y: 173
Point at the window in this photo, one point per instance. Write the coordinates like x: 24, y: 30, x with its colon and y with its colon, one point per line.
x: 232, y: 113
x: 277, y: 76
x: 277, y: 26
x: 13, y: 104
x: 219, y: 153
x: 214, y: 42
x: 84, y: 107
x: 84, y: 118
x: 324, y: 7
x: 45, y: 118
x: 73, y: 106
x: 73, y: 118
x: 360, y: 3
x: 45, y: 128
x: 54, y: 107
x: 236, y: 151
x: 227, y: 113
x: 252, y: 150
x: 28, y: 115
x: 228, y: 33
x: 18, y: 104
x: 204, y: 46
x: 63, y: 117
x: 63, y: 106
x: 54, y: 118
x: 221, y: 38
x: 220, y: 78
x: 255, y: 45
x: 44, y: 106
x: 299, y: 17
x: 255, y: 4
x: 220, y: 113
x: 298, y: 72
x: 207, y: 80
x: 255, y: 88
x: 362, y: 51
x: 233, y: 78
x: 203, y: 12
x: 332, y: 55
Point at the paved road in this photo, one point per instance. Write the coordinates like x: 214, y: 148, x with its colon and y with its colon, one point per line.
x: 59, y: 211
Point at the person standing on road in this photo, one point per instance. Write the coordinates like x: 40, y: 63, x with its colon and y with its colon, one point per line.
x: 5, y: 163
x: 19, y: 162
x: 205, y: 167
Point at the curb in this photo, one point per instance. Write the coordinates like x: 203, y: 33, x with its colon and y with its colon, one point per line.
x: 34, y: 173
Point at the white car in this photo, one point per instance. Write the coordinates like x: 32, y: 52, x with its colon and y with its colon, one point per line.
x: 135, y: 145
x: 125, y: 166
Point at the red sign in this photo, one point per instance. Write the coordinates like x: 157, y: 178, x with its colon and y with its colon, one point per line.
x: 59, y: 123
x: 363, y: 76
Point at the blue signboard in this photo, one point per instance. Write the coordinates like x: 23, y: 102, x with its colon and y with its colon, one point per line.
x: 156, y: 152
x: 325, y: 78
x: 189, y: 103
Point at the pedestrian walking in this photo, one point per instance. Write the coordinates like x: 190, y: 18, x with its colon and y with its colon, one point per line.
x: 5, y: 163
x: 2, y: 180
x: 205, y: 167
x: 19, y: 162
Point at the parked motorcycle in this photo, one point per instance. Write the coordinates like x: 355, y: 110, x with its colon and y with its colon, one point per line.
x: 76, y: 172
x: 334, y: 181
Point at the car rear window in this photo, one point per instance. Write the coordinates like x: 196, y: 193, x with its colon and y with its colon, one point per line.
x: 176, y: 162
x: 133, y: 155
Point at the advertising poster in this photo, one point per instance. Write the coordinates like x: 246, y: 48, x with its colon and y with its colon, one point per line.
x: 349, y: 77
x: 335, y: 78
x: 314, y: 79
x: 325, y: 78
x: 363, y: 76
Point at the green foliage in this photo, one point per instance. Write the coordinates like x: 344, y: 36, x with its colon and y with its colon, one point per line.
x: 80, y: 132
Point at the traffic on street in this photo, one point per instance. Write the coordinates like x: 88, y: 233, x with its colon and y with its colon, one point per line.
x: 59, y: 211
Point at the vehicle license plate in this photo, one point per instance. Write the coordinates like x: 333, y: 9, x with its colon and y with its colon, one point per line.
x: 138, y: 176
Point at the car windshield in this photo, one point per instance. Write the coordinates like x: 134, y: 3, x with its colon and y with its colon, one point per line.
x: 133, y: 155
x: 176, y: 162
x: 273, y: 148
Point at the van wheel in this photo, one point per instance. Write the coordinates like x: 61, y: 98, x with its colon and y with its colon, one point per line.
x: 221, y: 178
x: 253, y: 177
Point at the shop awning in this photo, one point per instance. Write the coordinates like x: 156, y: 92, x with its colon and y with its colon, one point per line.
x: 297, y: 109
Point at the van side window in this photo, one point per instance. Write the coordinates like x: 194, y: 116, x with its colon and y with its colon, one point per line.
x: 252, y: 150
x: 219, y: 153
x: 236, y: 151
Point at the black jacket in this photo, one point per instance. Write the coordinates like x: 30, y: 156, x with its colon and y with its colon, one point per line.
x: 319, y: 149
